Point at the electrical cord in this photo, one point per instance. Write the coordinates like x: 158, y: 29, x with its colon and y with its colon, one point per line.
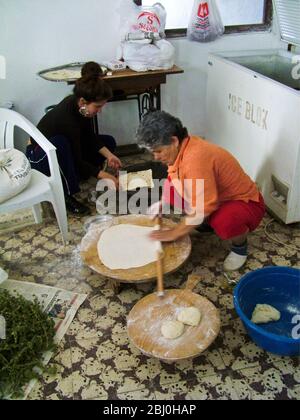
x: 231, y: 282
x: 275, y: 239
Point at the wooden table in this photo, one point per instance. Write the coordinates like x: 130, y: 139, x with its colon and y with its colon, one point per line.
x: 145, y: 87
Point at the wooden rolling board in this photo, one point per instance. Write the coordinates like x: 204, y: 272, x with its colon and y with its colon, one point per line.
x: 175, y: 253
x: 147, y: 316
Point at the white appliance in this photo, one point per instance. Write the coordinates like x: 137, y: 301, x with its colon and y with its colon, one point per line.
x: 253, y: 110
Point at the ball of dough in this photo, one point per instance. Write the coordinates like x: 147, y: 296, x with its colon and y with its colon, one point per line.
x: 190, y: 316
x: 265, y: 313
x: 172, y: 329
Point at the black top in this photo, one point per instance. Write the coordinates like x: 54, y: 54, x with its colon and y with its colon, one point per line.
x: 65, y: 119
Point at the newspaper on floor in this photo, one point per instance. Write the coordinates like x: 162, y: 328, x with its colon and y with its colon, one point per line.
x: 61, y: 305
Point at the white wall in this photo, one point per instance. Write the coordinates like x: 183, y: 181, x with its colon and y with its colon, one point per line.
x: 38, y: 34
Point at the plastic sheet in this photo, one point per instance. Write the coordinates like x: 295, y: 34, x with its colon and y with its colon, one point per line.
x: 144, y: 57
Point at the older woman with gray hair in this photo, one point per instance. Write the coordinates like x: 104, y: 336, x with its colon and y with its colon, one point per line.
x: 228, y: 200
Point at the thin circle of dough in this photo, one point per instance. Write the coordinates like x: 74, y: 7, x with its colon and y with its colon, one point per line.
x: 127, y: 246
x: 172, y: 329
x: 190, y: 316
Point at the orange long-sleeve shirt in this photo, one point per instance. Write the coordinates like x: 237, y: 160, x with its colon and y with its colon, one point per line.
x: 224, y: 178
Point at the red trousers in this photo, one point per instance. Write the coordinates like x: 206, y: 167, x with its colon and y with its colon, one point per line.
x: 235, y: 218
x: 231, y: 219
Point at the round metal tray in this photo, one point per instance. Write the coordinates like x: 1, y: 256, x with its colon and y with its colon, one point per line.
x: 76, y: 67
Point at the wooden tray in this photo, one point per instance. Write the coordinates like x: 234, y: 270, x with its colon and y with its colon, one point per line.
x: 175, y: 253
x: 147, y: 316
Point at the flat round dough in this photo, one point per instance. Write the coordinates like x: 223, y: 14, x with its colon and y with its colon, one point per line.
x: 172, y: 329
x: 190, y: 316
x: 127, y: 246
x: 63, y: 74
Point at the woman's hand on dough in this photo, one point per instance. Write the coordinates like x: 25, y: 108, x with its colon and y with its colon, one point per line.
x: 168, y: 235
x: 106, y: 176
x: 114, y: 162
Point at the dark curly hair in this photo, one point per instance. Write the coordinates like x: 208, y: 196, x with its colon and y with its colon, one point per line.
x: 91, y: 68
x: 90, y: 86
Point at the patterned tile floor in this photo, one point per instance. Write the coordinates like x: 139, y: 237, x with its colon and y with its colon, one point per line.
x: 96, y: 359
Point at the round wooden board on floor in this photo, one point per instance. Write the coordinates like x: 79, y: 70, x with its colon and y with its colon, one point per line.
x: 175, y: 253
x: 147, y: 316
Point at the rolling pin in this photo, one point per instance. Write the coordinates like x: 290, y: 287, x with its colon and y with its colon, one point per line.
x: 159, y: 264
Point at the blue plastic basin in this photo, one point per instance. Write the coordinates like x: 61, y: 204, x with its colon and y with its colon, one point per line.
x: 278, y: 287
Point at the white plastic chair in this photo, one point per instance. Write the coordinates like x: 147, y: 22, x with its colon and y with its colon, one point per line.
x: 41, y: 187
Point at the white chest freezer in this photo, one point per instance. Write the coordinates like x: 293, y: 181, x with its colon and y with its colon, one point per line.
x: 253, y: 110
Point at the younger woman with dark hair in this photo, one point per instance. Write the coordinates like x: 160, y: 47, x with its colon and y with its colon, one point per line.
x: 80, y: 151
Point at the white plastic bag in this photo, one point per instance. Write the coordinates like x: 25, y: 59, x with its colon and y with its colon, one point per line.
x: 143, y: 47
x: 15, y: 173
x: 205, y: 24
x: 137, y: 21
x: 144, y: 57
x: 151, y: 19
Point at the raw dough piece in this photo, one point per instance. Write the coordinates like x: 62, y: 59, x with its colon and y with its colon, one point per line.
x: 63, y: 74
x: 190, y: 316
x: 127, y: 246
x: 172, y: 329
x: 265, y: 313
x: 134, y: 180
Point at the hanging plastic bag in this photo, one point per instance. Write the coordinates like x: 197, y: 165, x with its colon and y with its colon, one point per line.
x: 205, y: 24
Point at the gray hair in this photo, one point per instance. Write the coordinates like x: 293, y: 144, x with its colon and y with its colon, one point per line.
x: 157, y: 128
